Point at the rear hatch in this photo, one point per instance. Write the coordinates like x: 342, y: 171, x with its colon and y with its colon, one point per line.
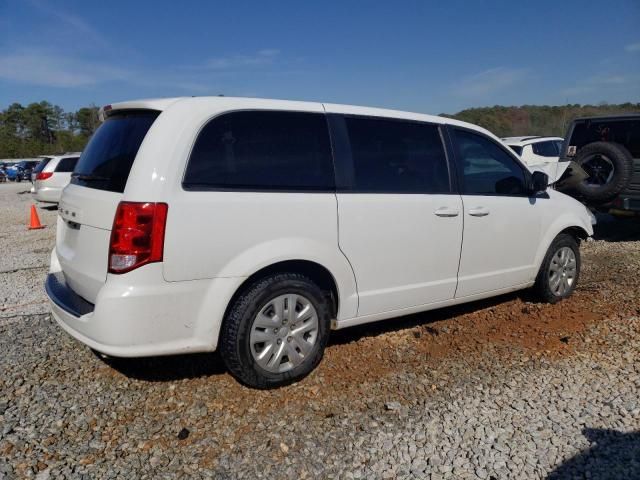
x: 89, y: 203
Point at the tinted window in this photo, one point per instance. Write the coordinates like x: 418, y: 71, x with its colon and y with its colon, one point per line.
x: 623, y: 131
x: 107, y: 159
x: 516, y: 149
x: 487, y: 168
x: 41, y: 165
x: 67, y: 164
x: 558, y: 144
x: 262, y: 150
x: 397, y: 156
x: 545, y: 149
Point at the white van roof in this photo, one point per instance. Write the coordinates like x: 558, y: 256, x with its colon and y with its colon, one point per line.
x: 161, y: 104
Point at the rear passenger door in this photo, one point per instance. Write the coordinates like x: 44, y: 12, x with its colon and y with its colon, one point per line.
x: 502, y: 225
x: 258, y: 188
x: 400, y: 225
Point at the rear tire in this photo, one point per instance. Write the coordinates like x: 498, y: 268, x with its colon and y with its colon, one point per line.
x: 560, y: 270
x: 610, y: 167
x: 276, y: 330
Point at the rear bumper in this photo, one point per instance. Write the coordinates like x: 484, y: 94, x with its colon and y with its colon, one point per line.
x: 141, y: 315
x: 64, y: 298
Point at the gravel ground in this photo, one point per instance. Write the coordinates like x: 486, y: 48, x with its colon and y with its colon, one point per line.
x: 504, y: 388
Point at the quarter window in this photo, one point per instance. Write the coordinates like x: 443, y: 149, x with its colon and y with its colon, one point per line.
x: 487, y: 168
x: 396, y: 156
x: 545, y: 149
x: 67, y: 164
x: 516, y: 149
x: 559, y: 144
x: 263, y: 150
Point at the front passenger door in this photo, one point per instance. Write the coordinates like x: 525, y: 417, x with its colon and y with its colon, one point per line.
x: 502, y: 225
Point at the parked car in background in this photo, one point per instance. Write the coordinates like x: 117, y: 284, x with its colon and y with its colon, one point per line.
x: 255, y: 226
x: 607, y: 149
x: 12, y: 172
x: 3, y: 176
x: 25, y: 169
x: 51, y: 175
x: 539, y: 153
x: 18, y: 171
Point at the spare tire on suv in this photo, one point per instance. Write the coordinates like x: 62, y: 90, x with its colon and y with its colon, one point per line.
x: 609, y: 166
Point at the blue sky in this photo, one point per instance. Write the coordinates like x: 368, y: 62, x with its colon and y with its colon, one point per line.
x: 425, y: 56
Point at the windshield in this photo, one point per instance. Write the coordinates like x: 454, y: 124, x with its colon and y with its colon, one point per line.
x: 107, y: 160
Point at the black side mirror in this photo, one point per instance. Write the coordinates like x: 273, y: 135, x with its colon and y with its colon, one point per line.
x: 539, y: 182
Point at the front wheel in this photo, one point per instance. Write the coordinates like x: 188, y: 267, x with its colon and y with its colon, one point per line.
x: 276, y: 330
x: 560, y: 270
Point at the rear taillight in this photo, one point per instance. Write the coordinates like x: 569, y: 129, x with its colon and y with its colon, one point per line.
x: 43, y: 175
x: 137, y: 237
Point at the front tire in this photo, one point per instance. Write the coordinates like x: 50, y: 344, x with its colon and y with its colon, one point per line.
x: 276, y: 330
x: 560, y: 270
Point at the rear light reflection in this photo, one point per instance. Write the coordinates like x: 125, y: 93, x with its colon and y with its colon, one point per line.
x: 137, y: 237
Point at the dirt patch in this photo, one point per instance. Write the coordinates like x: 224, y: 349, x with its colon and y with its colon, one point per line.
x: 361, y: 359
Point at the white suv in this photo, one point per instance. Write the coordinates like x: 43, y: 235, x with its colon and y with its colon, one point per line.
x: 51, y: 175
x: 257, y: 226
x: 540, y: 154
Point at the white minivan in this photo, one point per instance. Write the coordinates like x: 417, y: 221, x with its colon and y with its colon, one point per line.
x: 256, y: 226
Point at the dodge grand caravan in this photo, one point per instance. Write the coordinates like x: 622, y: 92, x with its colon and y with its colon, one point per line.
x: 256, y: 226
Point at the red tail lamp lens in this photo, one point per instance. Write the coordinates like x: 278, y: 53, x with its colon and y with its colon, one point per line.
x: 137, y: 237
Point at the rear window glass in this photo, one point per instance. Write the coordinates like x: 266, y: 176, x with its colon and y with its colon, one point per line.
x: 262, y: 150
x: 67, y: 164
x: 106, y: 161
x: 41, y: 165
x: 623, y: 131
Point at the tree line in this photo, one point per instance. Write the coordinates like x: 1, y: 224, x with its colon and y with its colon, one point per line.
x: 540, y: 120
x: 43, y: 128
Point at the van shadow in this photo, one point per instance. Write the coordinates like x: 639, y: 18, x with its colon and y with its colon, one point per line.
x: 196, y: 365
x: 168, y: 369
x: 50, y: 208
x: 612, y: 229
x: 612, y: 455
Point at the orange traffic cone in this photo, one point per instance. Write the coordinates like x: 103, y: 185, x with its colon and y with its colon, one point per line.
x: 34, y: 224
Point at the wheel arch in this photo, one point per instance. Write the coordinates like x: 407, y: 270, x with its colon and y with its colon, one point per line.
x: 315, y: 271
x: 566, y: 225
x: 577, y: 232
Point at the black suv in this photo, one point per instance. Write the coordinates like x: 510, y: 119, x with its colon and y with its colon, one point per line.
x: 608, y: 150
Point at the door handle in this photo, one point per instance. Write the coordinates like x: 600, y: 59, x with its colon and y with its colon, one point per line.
x: 479, y: 212
x: 447, y: 212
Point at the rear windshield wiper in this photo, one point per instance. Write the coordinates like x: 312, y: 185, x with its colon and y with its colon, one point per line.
x: 89, y: 178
